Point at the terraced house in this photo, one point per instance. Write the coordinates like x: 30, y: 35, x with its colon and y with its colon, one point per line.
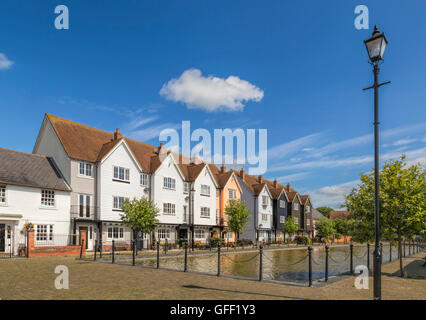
x: 32, y: 190
x: 104, y: 169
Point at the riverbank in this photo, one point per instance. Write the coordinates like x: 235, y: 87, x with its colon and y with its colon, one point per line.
x: 34, y: 279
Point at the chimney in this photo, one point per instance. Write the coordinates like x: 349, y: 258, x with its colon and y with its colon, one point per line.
x: 288, y: 186
x: 275, y: 183
x: 260, y: 179
x: 242, y: 173
x: 117, y: 134
x: 222, y: 168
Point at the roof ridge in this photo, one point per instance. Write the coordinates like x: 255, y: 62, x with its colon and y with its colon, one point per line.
x: 77, y: 123
x: 26, y: 153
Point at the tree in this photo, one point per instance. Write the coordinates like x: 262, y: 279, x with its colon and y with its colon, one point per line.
x: 325, y: 211
x: 325, y: 228
x: 290, y: 227
x: 342, y: 227
x: 238, y: 216
x: 402, y: 203
x: 140, y: 215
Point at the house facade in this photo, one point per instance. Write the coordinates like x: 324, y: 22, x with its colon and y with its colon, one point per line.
x: 279, y: 209
x: 306, y: 216
x: 32, y: 190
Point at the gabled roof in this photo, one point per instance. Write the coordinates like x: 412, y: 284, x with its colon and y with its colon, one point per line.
x: 342, y: 214
x: 30, y: 170
x: 304, y: 199
x: 316, y: 215
x: 292, y: 195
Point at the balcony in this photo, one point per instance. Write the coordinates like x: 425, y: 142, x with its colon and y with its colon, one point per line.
x: 85, y: 213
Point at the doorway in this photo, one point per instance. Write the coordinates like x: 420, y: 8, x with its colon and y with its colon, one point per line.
x: 2, y: 237
x: 89, y: 236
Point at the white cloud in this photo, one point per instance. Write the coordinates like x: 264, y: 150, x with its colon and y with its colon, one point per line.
x: 5, y: 63
x: 332, y: 196
x: 403, y: 142
x: 210, y: 93
x: 148, y: 133
x: 296, y: 145
x: 292, y: 177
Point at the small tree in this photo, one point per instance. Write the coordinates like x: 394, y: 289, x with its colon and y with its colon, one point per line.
x: 325, y: 228
x: 238, y: 216
x: 325, y: 211
x: 290, y: 227
x: 140, y: 215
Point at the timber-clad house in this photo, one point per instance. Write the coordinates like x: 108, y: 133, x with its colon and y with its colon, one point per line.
x: 96, y: 171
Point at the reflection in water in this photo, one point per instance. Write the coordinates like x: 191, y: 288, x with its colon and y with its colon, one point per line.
x: 282, y: 265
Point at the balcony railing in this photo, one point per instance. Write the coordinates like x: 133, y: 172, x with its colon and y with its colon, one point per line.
x: 85, y: 212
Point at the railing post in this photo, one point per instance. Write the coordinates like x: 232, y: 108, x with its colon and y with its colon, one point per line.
x: 81, y: 248
x: 96, y: 249
x: 100, y: 249
x: 158, y: 254
x: 133, y: 252
x: 185, y: 267
x: 166, y: 247
x: 260, y: 262
x: 409, y: 248
x: 351, y: 247
x: 218, y: 259
x: 310, y: 265
x: 404, y: 248
x: 368, y: 256
x: 390, y: 251
x: 113, y: 252
x: 326, y: 263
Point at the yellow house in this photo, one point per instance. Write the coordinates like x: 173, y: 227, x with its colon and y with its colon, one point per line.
x: 228, y: 189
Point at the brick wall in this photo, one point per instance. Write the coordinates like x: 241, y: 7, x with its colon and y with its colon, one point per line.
x: 46, y: 251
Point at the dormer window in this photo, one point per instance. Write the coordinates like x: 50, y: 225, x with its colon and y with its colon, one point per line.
x: 121, y: 174
x: 85, y: 169
x: 265, y: 200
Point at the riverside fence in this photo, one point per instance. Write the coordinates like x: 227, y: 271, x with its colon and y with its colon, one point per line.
x: 315, y: 264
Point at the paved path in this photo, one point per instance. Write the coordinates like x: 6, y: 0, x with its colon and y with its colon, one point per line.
x: 34, y: 279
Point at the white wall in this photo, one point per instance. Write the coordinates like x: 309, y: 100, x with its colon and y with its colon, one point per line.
x: 162, y: 195
x: 264, y: 210
x: 107, y: 188
x: 204, y: 201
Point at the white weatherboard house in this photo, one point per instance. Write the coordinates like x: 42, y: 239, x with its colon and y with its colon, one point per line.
x: 104, y: 169
x: 32, y: 190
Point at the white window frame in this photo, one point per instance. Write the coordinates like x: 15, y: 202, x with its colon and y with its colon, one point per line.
x: 308, y: 222
x: 163, y: 234
x: 85, y: 169
x: 120, y: 174
x: 308, y: 209
x: 282, y: 219
x: 84, y: 204
x: 296, y: 220
x: 232, y: 193
x: 3, y: 195
x: 44, y: 233
x: 198, y: 233
x: 205, y: 212
x: 115, y: 233
x: 169, y: 208
x: 282, y: 204
x: 144, y: 179
x: 205, y: 190
x: 264, y: 217
x: 117, y: 202
x: 265, y: 201
x: 169, y: 183
x: 295, y: 206
x: 48, y: 198
x: 186, y: 187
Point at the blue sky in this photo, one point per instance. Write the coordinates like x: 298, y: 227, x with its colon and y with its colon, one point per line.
x: 301, y: 66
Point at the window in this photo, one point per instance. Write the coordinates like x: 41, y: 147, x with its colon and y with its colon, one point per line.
x: 169, y: 183
x: 121, y: 174
x: 185, y: 213
x: 205, y: 212
x: 282, y: 204
x: 282, y: 219
x: 308, y: 209
x: 44, y: 233
x: 118, y: 203
x: 205, y: 190
x: 85, y: 169
x: 163, y: 233
x: 296, y: 220
x: 84, y: 207
x: 169, y: 208
x: 186, y: 187
x: 144, y: 179
x: 296, y: 206
x: 200, y: 234
x: 232, y: 194
x: 265, y: 200
x: 228, y: 235
x: 115, y: 233
x: 2, y: 195
x: 47, y: 198
x: 264, y: 217
x: 308, y: 222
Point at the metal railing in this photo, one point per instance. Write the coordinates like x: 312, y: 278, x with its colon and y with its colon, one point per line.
x: 84, y: 212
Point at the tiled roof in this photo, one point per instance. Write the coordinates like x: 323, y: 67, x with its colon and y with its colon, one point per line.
x: 316, y: 215
x: 304, y: 198
x: 339, y: 214
x: 30, y: 170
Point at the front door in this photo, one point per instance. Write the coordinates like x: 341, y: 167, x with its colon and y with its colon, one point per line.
x: 2, y: 237
x: 183, y: 235
x: 89, y: 236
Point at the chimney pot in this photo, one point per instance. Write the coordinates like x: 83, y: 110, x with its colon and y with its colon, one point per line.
x: 117, y: 134
x: 288, y: 187
x: 222, y: 168
x: 260, y: 179
x: 275, y: 183
x: 242, y: 173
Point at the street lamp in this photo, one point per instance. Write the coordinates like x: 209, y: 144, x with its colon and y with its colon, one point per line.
x: 376, y: 46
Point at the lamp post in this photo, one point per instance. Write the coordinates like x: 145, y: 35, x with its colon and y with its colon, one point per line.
x: 376, y: 46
